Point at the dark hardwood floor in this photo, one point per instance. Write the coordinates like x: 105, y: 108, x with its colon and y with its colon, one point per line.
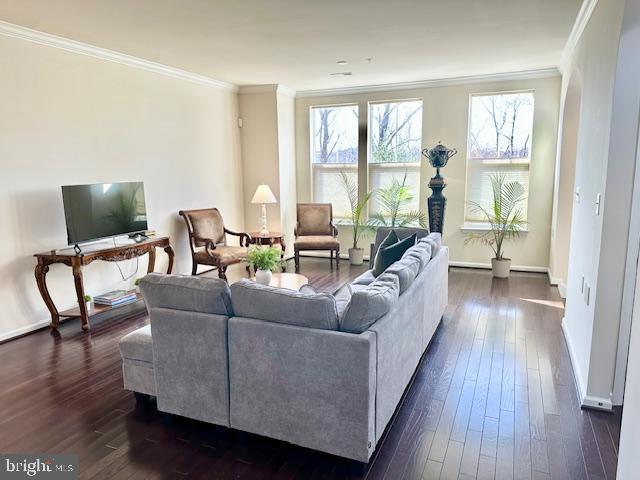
x: 492, y: 398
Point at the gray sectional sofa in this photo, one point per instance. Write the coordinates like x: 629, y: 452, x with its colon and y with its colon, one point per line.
x: 318, y: 370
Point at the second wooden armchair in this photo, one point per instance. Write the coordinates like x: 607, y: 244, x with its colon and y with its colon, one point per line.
x: 315, y: 231
x: 208, y: 241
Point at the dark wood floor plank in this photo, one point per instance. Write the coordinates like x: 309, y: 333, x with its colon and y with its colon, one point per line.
x: 493, y: 397
x: 451, y: 465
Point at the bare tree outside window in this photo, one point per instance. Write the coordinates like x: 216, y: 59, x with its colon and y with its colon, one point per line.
x: 395, y: 138
x: 500, y: 126
x: 499, y: 143
x: 334, y: 140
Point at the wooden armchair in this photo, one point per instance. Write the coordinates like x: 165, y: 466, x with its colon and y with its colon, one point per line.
x: 208, y: 241
x: 315, y: 231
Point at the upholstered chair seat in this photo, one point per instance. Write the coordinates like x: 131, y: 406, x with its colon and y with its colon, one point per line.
x: 315, y: 231
x: 317, y: 242
x: 222, y: 253
x: 208, y: 241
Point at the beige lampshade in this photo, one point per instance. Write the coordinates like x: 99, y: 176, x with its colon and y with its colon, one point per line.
x: 263, y: 195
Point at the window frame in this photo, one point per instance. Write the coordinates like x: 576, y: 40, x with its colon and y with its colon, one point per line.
x: 476, y: 226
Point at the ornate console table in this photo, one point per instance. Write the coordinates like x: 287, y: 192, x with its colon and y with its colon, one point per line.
x: 78, y: 260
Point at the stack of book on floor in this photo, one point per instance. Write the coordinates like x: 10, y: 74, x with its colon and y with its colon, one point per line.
x: 117, y: 297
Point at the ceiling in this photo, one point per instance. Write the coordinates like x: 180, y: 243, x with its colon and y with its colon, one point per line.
x: 298, y: 42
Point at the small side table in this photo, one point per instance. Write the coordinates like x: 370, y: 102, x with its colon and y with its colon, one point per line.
x: 271, y: 239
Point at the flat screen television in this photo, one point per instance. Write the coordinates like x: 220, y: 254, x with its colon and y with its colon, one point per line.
x: 103, y: 210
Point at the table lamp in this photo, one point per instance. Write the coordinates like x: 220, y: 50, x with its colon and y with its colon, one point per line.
x: 263, y: 196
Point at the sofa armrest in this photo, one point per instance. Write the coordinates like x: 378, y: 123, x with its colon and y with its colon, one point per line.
x: 314, y: 388
x: 191, y: 364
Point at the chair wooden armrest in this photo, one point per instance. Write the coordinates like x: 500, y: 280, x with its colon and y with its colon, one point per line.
x: 334, y: 230
x: 209, y: 245
x: 243, y: 236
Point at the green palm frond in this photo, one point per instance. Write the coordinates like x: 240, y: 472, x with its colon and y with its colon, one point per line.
x: 505, y: 218
x: 357, y: 207
x: 392, y: 201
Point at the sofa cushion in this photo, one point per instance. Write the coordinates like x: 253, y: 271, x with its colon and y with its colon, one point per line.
x: 435, y: 240
x: 370, y: 303
x: 181, y: 292
x: 365, y: 279
x: 280, y: 305
x: 137, y: 345
x: 421, y: 251
x: 406, y: 269
x: 312, y: 242
x: 393, y: 253
x: 378, y: 263
x: 343, y: 298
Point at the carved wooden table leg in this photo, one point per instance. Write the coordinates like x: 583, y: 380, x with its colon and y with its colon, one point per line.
x: 152, y: 260
x: 41, y: 280
x: 169, y: 252
x: 77, y: 278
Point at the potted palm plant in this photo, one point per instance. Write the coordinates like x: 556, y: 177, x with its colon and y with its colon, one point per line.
x: 358, y: 224
x: 393, y: 200
x: 505, y: 218
x: 264, y: 260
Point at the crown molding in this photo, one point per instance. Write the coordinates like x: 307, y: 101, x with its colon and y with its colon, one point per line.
x: 442, y: 82
x: 584, y: 14
x: 249, y: 89
x: 42, y: 38
x: 266, y: 88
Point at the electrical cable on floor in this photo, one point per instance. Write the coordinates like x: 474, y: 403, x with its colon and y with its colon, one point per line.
x: 120, y: 269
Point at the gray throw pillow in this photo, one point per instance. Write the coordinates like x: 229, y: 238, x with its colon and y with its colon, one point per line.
x: 390, y: 239
x: 393, y: 253
x: 370, y: 303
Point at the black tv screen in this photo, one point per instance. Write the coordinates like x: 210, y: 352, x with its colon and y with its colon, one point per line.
x: 103, y: 210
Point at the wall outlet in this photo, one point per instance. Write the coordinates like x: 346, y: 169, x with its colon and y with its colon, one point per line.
x: 598, y: 202
x: 577, y: 194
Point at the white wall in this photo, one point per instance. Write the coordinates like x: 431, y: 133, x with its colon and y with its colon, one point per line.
x: 69, y: 119
x: 445, y: 118
x: 605, y: 162
x: 287, y: 165
x: 259, y: 134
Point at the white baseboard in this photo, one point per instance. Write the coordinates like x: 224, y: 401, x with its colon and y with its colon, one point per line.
x: 23, y: 330
x: 557, y: 282
x: 487, y: 266
x: 586, y: 401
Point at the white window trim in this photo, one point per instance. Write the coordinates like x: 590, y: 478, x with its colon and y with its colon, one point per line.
x: 486, y: 227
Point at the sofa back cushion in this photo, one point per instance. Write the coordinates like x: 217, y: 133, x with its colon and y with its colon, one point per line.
x: 280, y: 305
x: 421, y: 251
x: 435, y: 240
x: 181, y: 292
x: 370, y: 303
x: 406, y: 269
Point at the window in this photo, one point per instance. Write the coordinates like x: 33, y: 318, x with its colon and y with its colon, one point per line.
x: 334, y: 145
x: 395, y: 137
x: 500, y: 128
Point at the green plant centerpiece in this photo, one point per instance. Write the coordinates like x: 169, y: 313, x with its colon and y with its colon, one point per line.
x: 264, y: 260
x: 505, y: 217
x: 393, y: 201
x: 359, y: 225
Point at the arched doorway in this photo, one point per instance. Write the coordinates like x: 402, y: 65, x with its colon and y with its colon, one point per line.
x: 565, y: 180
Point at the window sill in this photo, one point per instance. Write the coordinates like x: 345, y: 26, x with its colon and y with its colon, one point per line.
x: 485, y: 227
